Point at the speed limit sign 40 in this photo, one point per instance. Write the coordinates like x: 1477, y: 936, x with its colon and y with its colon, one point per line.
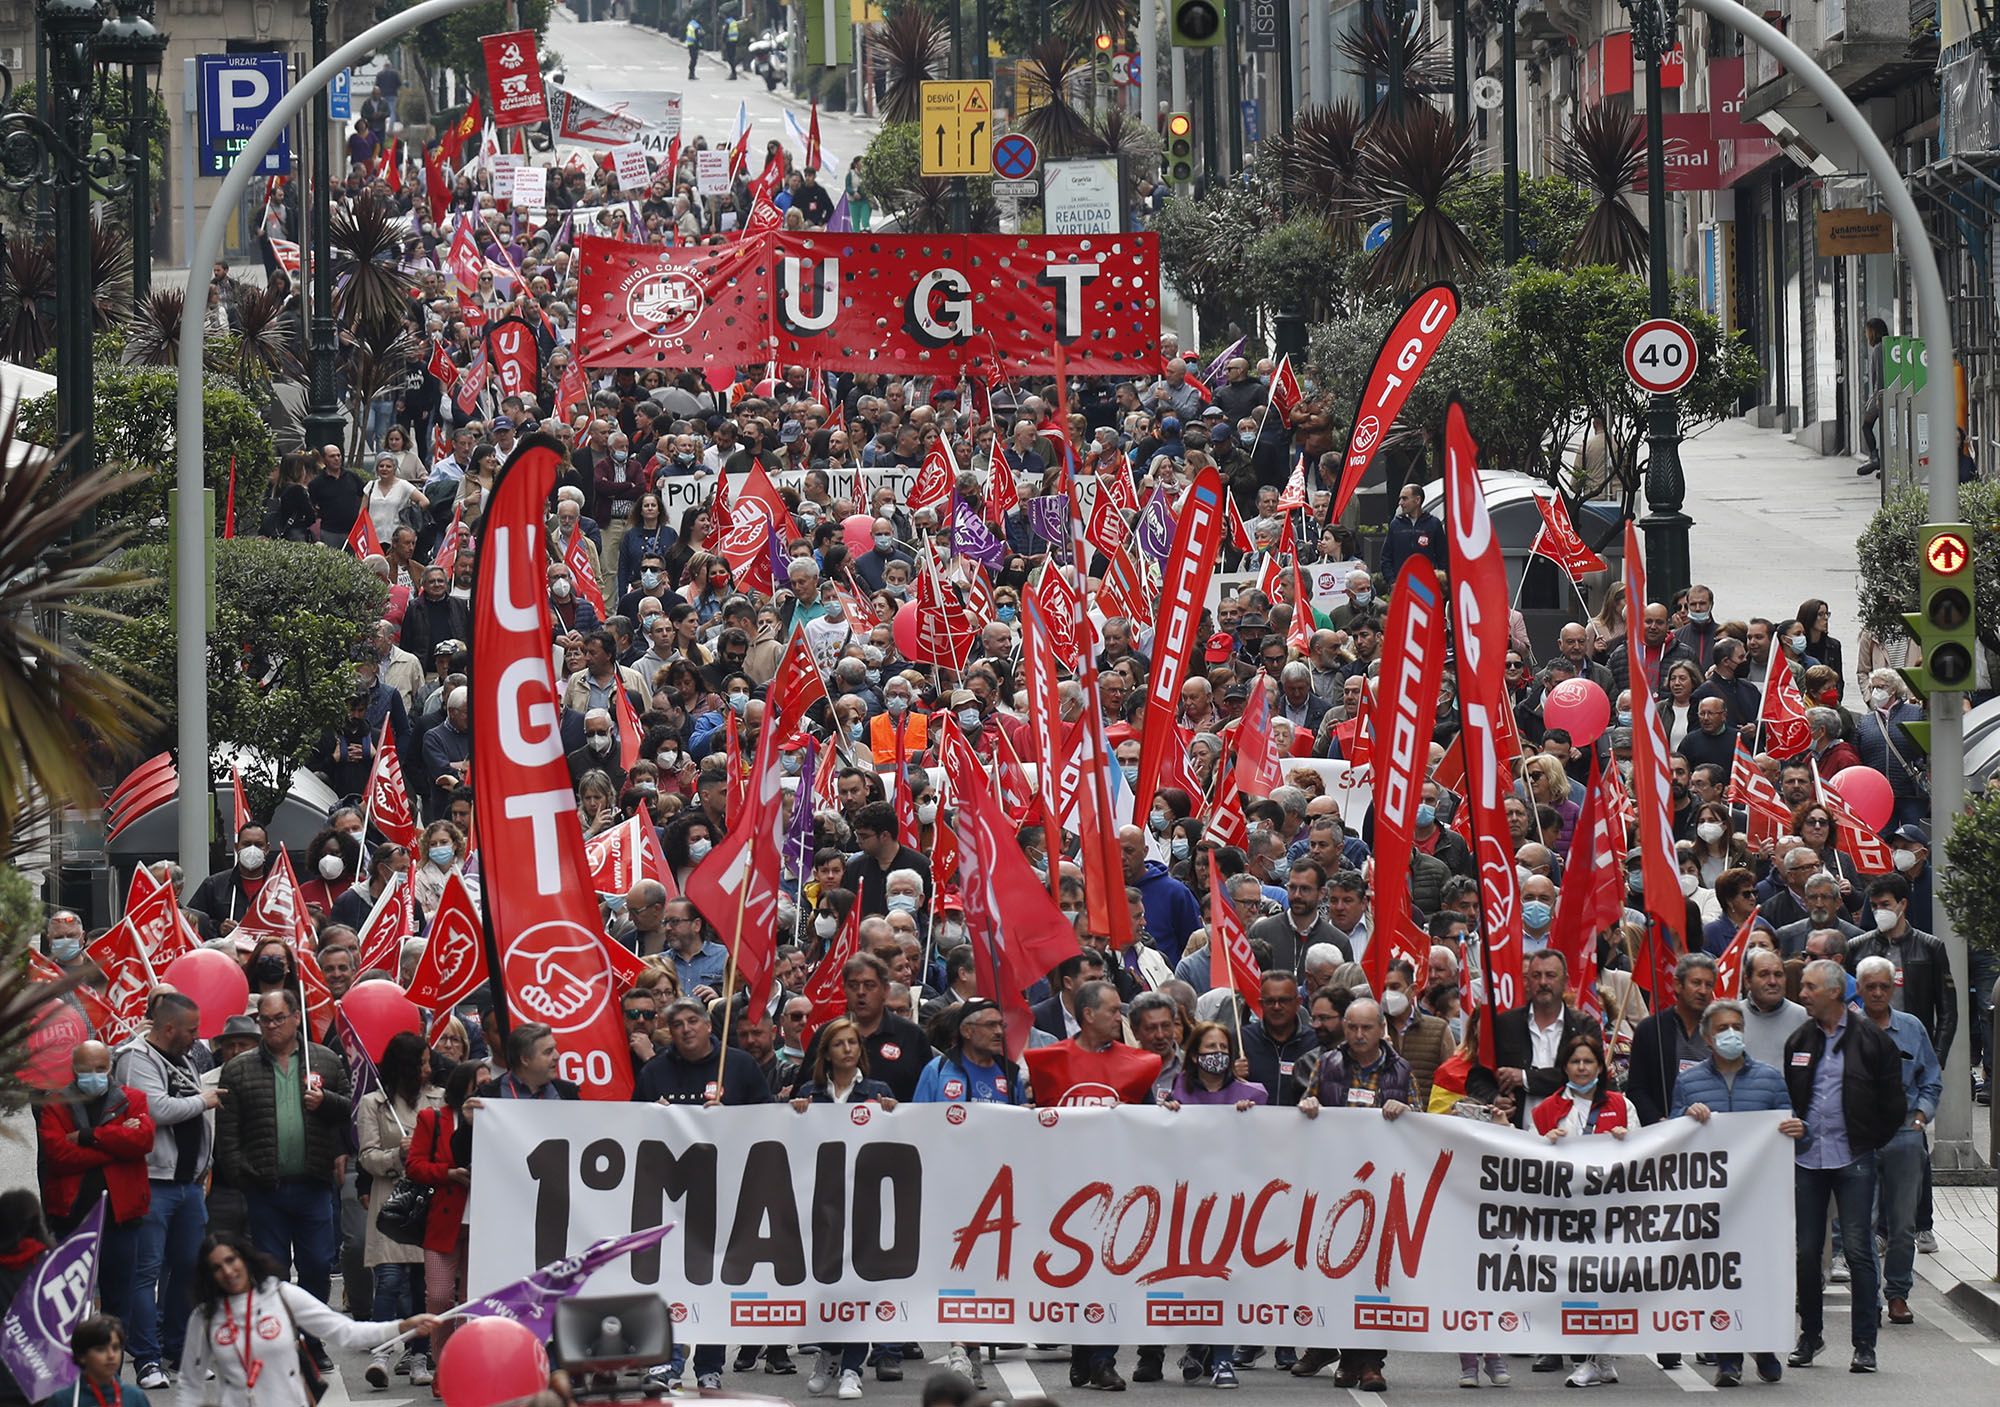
x: 1660, y: 356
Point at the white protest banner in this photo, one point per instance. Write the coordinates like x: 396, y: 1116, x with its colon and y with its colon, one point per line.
x: 505, y: 165
x: 711, y: 172
x: 1137, y: 1225
x: 1328, y: 583
x: 634, y: 174
x: 531, y: 187
x: 680, y: 492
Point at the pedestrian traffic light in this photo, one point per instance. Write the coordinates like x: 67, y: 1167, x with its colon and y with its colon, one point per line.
x: 1196, y: 24
x: 1943, y: 626
x: 1180, y: 147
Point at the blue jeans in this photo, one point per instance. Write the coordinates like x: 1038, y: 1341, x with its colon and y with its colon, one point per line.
x: 169, y: 1237
x: 294, y: 1223
x: 1852, y: 1190
x: 118, y: 1253
x: 399, y: 1293
x: 707, y: 1359
x: 1901, y: 1165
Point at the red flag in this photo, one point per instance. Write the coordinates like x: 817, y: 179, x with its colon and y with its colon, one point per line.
x: 796, y: 687
x: 1039, y: 672
x: 453, y: 966
x: 1558, y: 540
x: 1405, y: 353
x: 758, y: 488
x: 1479, y: 620
x: 386, y: 802
x: 1106, y: 529
x: 935, y: 479
x: 1064, y: 1074
x: 764, y: 216
x: 1003, y: 495
x: 572, y: 390
x: 576, y: 556
x: 548, y: 948
x: 627, y: 853
x: 813, y: 160
x: 1729, y: 967
x: 437, y: 185
x: 1300, y: 634
x: 1058, y: 601
x: 827, y: 987
x: 316, y: 995
x: 472, y: 384
x: 462, y: 131
x: 1787, y: 733
x: 1232, y: 964
x: 628, y: 725
x: 721, y: 516
x: 361, y: 539
x: 442, y: 367
x: 286, y: 253
x: 449, y: 546
x: 1018, y: 934
x: 1239, y: 536
x: 239, y: 804
x: 277, y: 911
x: 129, y: 976
x: 1258, y: 772
x: 164, y: 932
x: 393, y: 919
x: 736, y: 886
x: 392, y: 165
x: 1412, y: 669
x: 1285, y: 392
x: 1593, y: 895
x: 1225, y: 815
x: 1197, y: 547
x: 229, y: 508
x: 1751, y: 789
x: 1652, y: 787
x: 1855, y: 838
x: 1294, y: 496
x: 946, y: 631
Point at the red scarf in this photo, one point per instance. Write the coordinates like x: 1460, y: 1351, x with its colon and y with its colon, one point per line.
x: 23, y: 1254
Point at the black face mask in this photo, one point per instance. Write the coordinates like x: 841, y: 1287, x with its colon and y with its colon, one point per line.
x: 267, y: 969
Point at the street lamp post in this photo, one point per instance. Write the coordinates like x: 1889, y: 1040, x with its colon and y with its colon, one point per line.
x: 1668, y: 567
x: 323, y: 425
x: 55, y: 157
x: 1506, y: 14
x: 130, y: 41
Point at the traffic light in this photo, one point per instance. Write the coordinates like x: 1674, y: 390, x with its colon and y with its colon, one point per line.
x: 1180, y: 147
x: 1100, y: 61
x: 1196, y: 24
x: 1944, y: 626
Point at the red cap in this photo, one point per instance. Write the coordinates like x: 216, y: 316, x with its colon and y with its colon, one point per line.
x: 1221, y: 646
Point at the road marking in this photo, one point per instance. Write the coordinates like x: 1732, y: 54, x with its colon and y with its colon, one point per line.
x: 1688, y: 1380
x: 1991, y: 1355
x: 1018, y: 1376
x: 1366, y: 1399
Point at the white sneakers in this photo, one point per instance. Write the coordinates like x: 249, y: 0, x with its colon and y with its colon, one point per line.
x: 1593, y: 1372
x: 850, y: 1385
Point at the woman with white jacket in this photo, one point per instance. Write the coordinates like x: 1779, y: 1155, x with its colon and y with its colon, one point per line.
x: 246, y: 1327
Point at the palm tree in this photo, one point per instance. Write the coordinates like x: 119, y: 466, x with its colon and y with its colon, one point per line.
x: 375, y: 357
x: 1058, y: 126
x: 1418, y: 163
x: 58, y: 710
x: 1605, y: 153
x: 27, y: 284
x: 1319, y: 166
x: 1371, y: 47
x: 1088, y: 18
x: 913, y: 49
x: 369, y: 282
x: 110, y: 275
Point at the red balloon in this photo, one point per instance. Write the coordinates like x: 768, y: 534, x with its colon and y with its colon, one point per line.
x: 857, y: 531
x: 491, y: 1360
x: 1867, y: 794
x: 1580, y: 706
x: 378, y: 1010
x: 904, y: 630
x: 216, y: 983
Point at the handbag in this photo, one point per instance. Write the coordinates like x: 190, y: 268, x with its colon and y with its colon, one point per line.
x: 406, y: 1211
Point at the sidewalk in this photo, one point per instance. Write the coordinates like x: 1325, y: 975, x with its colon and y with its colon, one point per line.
x: 1962, y: 1270
x: 1775, y: 524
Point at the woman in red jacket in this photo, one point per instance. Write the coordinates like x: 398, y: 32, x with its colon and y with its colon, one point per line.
x: 441, y: 1156
x: 1585, y: 1105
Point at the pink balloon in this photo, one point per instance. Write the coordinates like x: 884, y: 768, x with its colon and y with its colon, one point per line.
x: 378, y: 1010
x: 904, y: 631
x: 1579, y: 706
x: 1867, y: 793
x: 491, y: 1360
x: 857, y: 531
x: 216, y: 983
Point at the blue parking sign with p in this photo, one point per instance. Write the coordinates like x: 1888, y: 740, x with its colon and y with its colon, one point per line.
x: 238, y: 91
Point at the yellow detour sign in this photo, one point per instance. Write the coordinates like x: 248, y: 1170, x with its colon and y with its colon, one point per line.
x: 957, y: 123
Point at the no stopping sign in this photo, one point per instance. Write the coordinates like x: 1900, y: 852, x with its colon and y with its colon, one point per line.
x: 1660, y: 356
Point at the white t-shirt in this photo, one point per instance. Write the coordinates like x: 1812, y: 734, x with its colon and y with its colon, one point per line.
x: 385, y: 505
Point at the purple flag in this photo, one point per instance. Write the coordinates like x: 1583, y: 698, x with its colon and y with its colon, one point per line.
x: 1213, y: 376
x: 778, y: 561
x: 366, y: 1078
x: 533, y: 1301
x: 1154, y: 534
x: 1048, y: 516
x: 34, y: 1336
x: 799, y: 834
x: 969, y: 538
x: 841, y: 221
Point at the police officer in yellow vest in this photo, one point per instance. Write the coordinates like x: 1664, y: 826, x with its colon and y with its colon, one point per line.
x: 732, y: 34
x: 693, y: 42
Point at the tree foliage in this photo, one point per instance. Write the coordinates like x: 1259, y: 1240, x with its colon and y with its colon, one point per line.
x: 286, y: 614
x: 453, y: 42
x: 1973, y: 848
x: 1553, y: 212
x: 135, y: 430
x: 1888, y: 551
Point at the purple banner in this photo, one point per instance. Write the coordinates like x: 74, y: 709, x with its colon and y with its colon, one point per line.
x: 799, y: 835
x: 34, y: 1336
x: 969, y: 538
x: 1154, y: 534
x: 1048, y: 516
x: 533, y: 1301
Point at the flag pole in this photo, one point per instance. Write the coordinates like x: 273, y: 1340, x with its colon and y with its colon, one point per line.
x: 729, y: 989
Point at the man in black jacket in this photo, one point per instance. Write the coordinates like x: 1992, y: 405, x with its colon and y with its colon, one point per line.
x: 1670, y: 1041
x: 1274, y: 1041
x: 687, y: 1071
x: 1923, y: 972
x: 1844, y: 1074
x: 1527, y: 1039
x: 532, y: 1059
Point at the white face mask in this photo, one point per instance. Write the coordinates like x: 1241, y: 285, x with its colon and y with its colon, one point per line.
x: 1688, y: 885
x: 600, y: 742
x: 1879, y: 697
x: 1886, y: 919
x: 698, y: 850
x: 1395, y: 1003
x: 250, y: 857
x: 330, y: 866
x: 927, y: 812
x: 826, y: 925
x: 1709, y: 831
x: 1905, y: 861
